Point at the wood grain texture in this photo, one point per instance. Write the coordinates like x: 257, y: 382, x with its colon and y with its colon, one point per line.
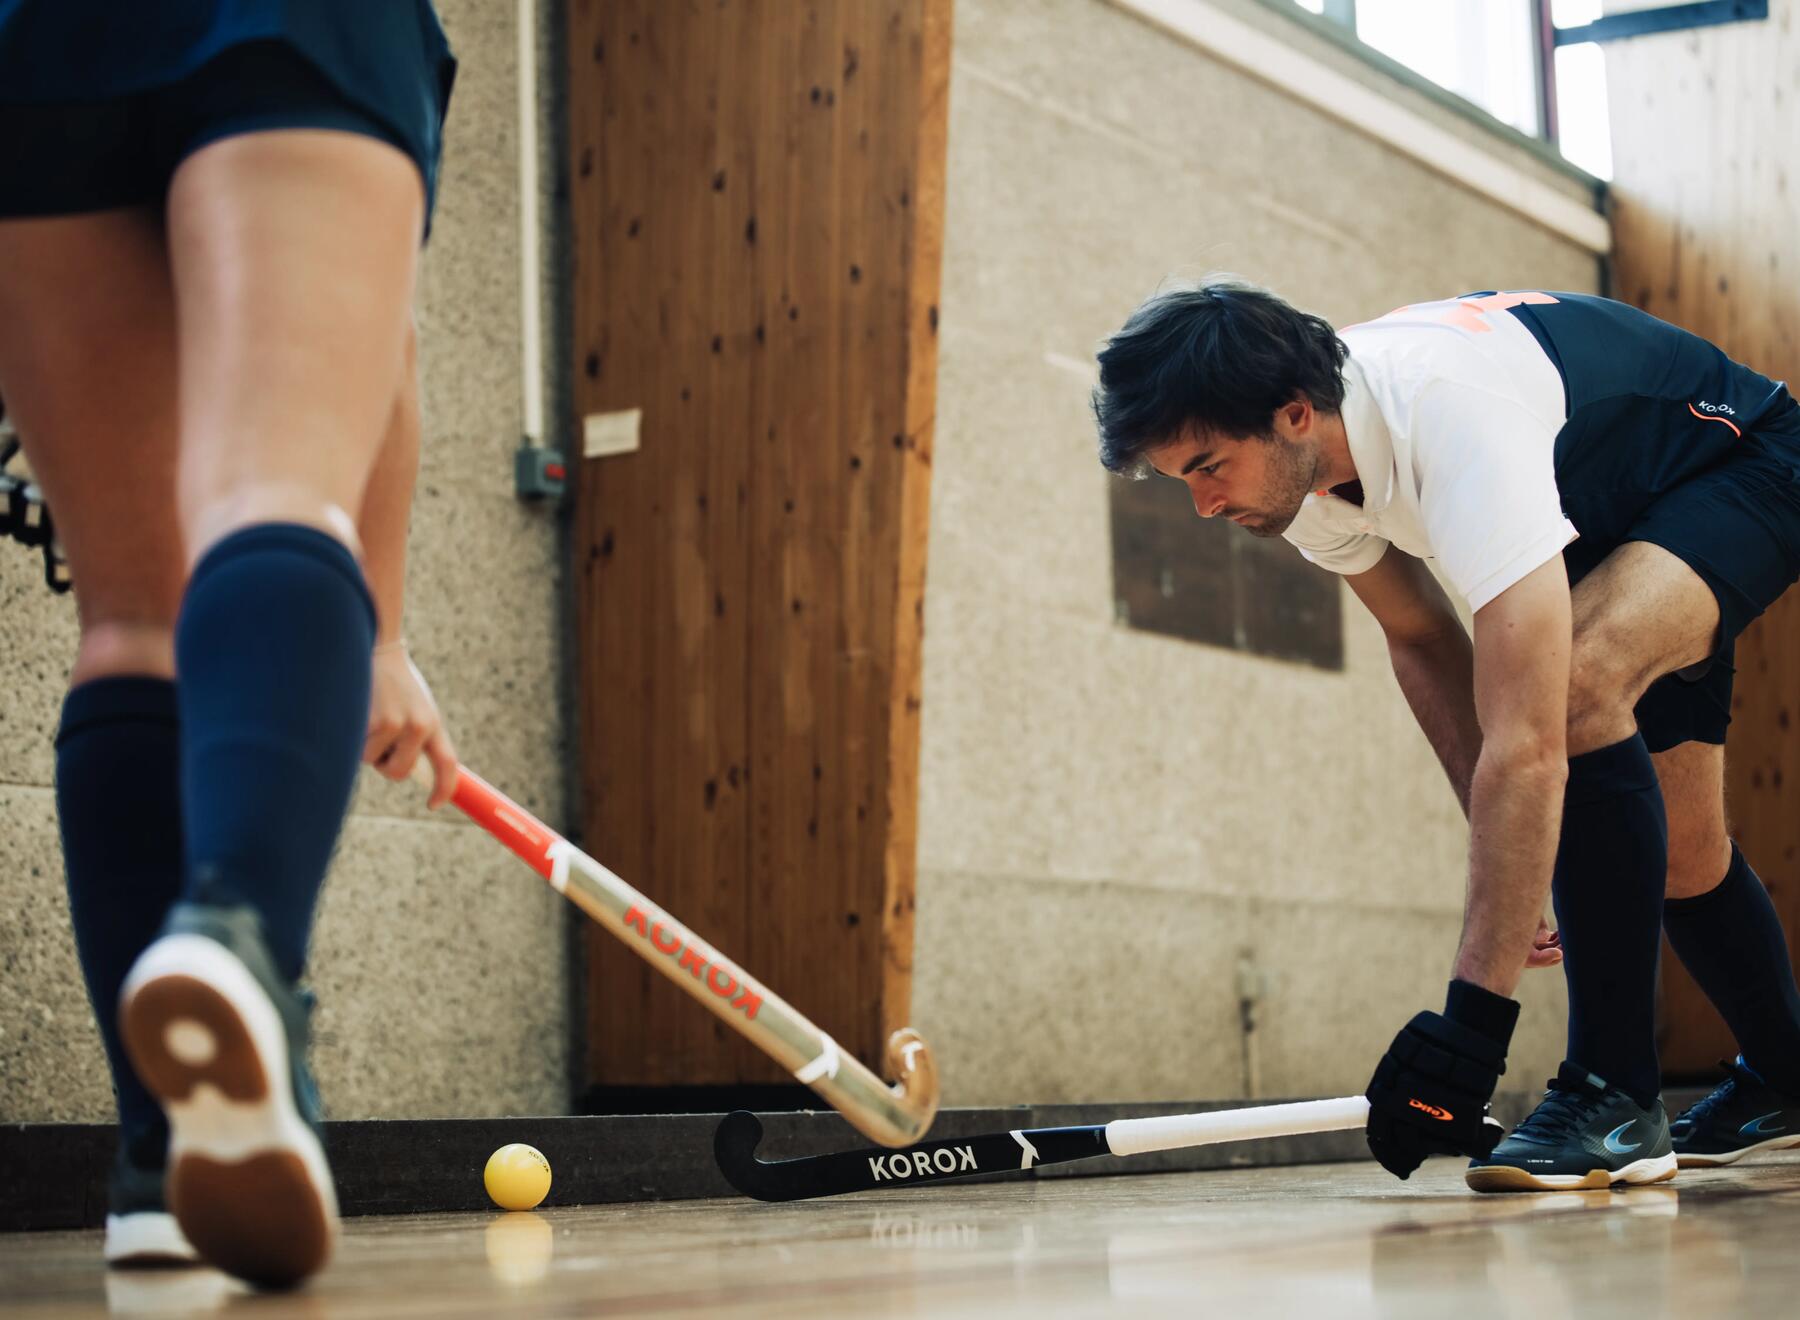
x: 1706, y: 145
x: 758, y: 210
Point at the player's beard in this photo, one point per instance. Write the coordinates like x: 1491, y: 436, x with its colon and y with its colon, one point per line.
x: 1289, y: 480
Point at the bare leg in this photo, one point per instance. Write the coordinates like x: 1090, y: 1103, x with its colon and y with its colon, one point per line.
x: 1641, y: 614
x: 1693, y: 787
x: 87, y: 368
x: 294, y: 256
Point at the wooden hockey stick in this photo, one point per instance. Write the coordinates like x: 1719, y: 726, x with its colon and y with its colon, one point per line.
x: 894, y: 1115
x: 734, y: 1146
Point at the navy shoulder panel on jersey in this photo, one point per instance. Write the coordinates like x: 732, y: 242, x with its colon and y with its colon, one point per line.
x: 1608, y: 350
x: 1648, y: 406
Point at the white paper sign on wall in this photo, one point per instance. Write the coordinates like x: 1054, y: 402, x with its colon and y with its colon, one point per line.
x: 605, y: 434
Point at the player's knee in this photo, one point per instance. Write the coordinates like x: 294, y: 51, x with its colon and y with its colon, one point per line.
x: 1697, y: 863
x: 208, y: 517
x: 1600, y: 703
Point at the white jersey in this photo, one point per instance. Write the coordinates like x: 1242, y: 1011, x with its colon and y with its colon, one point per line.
x: 1452, y: 410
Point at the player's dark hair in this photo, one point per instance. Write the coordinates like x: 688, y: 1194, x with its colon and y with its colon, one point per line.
x: 1222, y: 356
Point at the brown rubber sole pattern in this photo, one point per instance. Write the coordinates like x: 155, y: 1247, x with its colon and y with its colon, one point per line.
x: 1503, y: 1178
x: 260, y: 1217
x: 234, y: 1069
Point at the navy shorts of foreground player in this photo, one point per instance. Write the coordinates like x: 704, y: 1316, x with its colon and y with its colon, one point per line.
x: 101, y: 101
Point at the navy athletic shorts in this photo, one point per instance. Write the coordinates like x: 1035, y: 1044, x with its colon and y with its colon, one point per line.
x: 101, y: 101
x: 1736, y: 524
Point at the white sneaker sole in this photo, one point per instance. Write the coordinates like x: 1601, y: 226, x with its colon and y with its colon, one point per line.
x: 1508, y: 1178
x: 248, y: 1182
x: 1719, y: 1158
x: 147, y: 1238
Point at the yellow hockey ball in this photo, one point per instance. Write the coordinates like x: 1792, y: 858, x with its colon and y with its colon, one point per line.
x: 517, y: 1176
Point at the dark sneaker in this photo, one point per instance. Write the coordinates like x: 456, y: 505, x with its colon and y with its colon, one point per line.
x: 1743, y: 1115
x: 219, y: 1037
x: 1583, y: 1134
x: 140, y: 1231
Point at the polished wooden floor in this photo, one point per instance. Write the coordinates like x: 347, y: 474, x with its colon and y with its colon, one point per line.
x: 1338, y: 1241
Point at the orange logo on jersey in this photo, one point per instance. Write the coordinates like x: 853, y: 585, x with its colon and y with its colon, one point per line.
x: 1471, y: 313
x: 1442, y: 1115
x: 1711, y: 408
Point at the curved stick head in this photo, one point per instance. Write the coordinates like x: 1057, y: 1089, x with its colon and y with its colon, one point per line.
x: 734, y: 1147
x: 915, y: 1075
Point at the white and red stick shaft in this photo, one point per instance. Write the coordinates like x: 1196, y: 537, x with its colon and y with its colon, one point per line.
x: 896, y: 1115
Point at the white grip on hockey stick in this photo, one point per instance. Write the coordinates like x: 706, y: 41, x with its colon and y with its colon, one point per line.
x: 1135, y: 1136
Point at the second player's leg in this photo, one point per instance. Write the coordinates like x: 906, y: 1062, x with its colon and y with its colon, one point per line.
x: 1726, y: 932
x: 87, y: 364
x: 293, y: 255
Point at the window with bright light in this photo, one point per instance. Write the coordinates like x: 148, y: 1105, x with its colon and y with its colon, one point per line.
x: 1584, y: 130
x: 1485, y: 51
x: 1479, y: 49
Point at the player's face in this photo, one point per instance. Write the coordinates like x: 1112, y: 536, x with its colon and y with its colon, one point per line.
x: 1257, y: 482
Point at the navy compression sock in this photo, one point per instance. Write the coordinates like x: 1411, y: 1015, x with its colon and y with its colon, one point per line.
x: 1730, y: 939
x: 117, y: 754
x: 1611, y: 866
x: 273, y: 651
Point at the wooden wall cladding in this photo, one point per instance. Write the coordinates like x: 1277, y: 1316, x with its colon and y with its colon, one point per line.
x: 1706, y: 146
x: 757, y: 194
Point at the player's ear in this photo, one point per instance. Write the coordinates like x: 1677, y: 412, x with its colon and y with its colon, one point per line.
x: 1297, y: 413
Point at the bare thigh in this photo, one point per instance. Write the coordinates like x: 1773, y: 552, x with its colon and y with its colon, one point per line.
x: 1640, y: 614
x: 1692, y: 776
x: 87, y: 368
x: 294, y: 254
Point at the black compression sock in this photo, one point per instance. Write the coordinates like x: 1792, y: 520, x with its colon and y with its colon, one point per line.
x: 1611, y: 867
x: 273, y: 650
x: 1730, y: 939
x: 117, y: 754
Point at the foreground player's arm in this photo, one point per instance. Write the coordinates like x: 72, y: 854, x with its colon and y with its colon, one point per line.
x: 1434, y: 663
x: 1432, y: 659
x: 403, y: 716
x: 1522, y: 641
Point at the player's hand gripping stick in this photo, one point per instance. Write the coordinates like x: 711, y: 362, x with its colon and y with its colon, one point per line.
x: 896, y: 1115
x: 1430, y: 1092
x: 734, y: 1146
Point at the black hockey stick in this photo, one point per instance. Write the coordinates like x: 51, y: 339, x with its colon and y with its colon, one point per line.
x: 734, y: 1146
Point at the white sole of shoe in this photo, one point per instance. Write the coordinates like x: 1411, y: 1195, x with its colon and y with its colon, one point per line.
x: 1719, y: 1158
x: 1508, y: 1178
x: 248, y: 1182
x: 147, y: 1238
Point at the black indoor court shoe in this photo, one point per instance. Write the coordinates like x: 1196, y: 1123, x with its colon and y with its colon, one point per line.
x: 1743, y: 1115
x: 1583, y: 1134
x: 218, y: 1036
x: 140, y: 1231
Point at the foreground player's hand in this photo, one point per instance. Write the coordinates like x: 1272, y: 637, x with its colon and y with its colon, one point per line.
x: 1546, y: 947
x: 1430, y: 1092
x: 404, y: 723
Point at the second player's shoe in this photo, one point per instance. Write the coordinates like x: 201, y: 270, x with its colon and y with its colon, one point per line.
x: 1584, y: 1134
x: 219, y: 1037
x: 140, y: 1231
x: 1743, y: 1115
